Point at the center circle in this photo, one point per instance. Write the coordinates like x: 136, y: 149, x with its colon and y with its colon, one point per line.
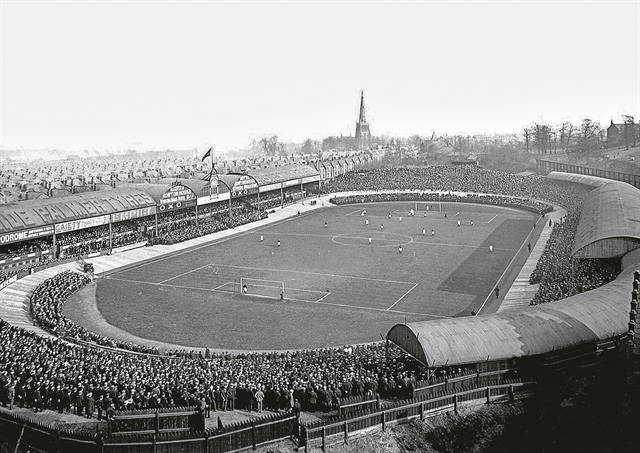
x: 378, y: 239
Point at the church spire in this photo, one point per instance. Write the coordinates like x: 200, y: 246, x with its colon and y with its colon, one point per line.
x: 362, y: 118
x: 363, y: 134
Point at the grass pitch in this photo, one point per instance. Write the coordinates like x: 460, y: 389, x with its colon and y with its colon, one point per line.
x: 345, y: 283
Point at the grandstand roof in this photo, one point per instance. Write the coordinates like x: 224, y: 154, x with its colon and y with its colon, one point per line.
x: 595, y: 315
x: 593, y: 181
x: 47, y: 211
x: 610, y: 222
x: 284, y: 173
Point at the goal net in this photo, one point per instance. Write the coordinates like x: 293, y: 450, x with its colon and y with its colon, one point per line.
x: 422, y: 206
x: 273, y: 289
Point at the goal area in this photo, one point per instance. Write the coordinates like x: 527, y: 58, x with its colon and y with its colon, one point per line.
x: 272, y: 289
x: 421, y: 206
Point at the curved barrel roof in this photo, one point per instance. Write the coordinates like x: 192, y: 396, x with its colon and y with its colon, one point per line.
x: 595, y: 315
x: 593, y: 181
x: 610, y: 222
x: 285, y: 173
x: 47, y: 211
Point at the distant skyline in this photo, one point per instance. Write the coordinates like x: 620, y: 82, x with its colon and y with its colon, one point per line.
x: 158, y: 75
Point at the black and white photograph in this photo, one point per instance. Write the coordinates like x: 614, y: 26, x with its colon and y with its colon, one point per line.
x: 319, y: 226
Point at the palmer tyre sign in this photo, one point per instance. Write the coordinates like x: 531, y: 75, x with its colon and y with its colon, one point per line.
x: 244, y: 186
x: 178, y: 197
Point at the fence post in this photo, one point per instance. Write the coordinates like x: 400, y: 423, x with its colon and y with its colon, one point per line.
x: 306, y: 440
x: 253, y: 434
x: 488, y: 394
x: 377, y: 401
x: 324, y: 438
x: 477, y: 377
x: 154, y: 447
x: 455, y: 403
x: 206, y: 441
x: 511, y: 398
x: 384, y: 420
x: 157, y: 422
x: 421, y: 410
x: 346, y: 432
x: 446, y: 384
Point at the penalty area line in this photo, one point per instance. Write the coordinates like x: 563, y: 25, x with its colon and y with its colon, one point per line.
x: 402, y: 297
x: 492, y: 218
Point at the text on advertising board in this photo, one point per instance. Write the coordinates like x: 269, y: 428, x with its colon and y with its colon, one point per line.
x: 26, y: 235
x: 177, y: 194
x: 244, y: 186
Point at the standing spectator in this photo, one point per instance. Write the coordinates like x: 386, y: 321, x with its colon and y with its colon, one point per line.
x: 231, y: 397
x: 259, y: 396
x: 90, y: 405
x: 11, y: 394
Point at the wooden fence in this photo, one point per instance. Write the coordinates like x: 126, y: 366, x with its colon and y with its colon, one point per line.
x: 156, y: 420
x: 546, y: 166
x: 30, y: 431
x: 251, y: 433
x: 322, y: 432
x: 364, y: 403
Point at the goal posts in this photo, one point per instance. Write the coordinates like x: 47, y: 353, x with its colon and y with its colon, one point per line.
x: 420, y: 206
x: 272, y: 289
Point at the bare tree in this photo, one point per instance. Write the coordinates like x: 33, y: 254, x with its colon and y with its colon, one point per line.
x: 526, y: 133
x: 307, y: 147
x: 270, y: 145
x: 566, y: 133
x: 541, y: 138
x: 590, y: 134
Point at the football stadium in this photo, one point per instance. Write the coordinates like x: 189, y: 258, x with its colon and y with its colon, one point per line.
x: 367, y: 295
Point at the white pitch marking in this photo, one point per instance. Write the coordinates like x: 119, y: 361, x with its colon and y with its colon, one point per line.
x: 319, y: 301
x: 402, y: 297
x: 492, y: 218
x: 185, y: 273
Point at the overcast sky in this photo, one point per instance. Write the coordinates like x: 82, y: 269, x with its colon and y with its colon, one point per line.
x: 146, y: 75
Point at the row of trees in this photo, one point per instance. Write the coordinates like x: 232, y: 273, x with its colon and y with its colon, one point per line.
x: 539, y: 138
x: 588, y: 135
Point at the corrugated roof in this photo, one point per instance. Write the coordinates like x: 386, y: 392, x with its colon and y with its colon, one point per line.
x: 611, y: 211
x: 594, y: 315
x: 284, y: 173
x: 46, y: 211
x: 593, y: 181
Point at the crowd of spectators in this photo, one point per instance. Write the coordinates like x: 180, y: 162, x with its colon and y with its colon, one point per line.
x: 496, y: 200
x: 47, y: 303
x: 559, y: 276
x: 318, y: 378
x: 4, y: 276
x: 23, y: 248
x: 554, y: 271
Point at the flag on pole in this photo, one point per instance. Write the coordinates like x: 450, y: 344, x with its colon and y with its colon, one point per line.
x: 208, y: 154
